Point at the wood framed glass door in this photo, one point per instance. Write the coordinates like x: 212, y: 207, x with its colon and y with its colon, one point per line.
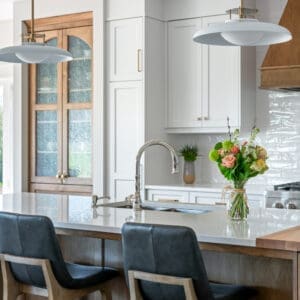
x: 60, y: 111
x: 77, y: 106
x: 46, y: 117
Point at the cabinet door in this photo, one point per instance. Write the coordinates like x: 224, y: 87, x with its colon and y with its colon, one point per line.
x: 221, y: 83
x: 46, y: 118
x: 77, y: 107
x: 126, y: 113
x: 209, y: 198
x: 184, y: 75
x: 166, y: 196
x: 125, y: 49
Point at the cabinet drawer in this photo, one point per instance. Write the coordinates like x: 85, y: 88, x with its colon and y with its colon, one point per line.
x: 159, y: 195
x: 210, y: 198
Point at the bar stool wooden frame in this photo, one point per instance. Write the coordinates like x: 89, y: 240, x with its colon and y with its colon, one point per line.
x: 54, y: 291
x: 135, y: 293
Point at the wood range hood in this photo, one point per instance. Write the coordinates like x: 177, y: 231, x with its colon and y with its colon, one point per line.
x: 281, y: 67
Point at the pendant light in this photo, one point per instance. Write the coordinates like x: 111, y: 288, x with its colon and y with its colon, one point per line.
x: 243, y: 31
x: 32, y: 52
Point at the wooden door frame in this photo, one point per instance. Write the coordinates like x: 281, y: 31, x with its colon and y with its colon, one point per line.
x: 48, y: 25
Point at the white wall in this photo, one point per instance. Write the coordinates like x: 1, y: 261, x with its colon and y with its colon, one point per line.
x: 6, y: 74
x: 6, y: 29
x: 46, y: 8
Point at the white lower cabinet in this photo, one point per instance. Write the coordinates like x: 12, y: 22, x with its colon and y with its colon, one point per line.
x: 160, y: 195
x: 210, y: 198
x: 205, y: 197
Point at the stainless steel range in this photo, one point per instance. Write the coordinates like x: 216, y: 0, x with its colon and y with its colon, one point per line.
x: 284, y: 196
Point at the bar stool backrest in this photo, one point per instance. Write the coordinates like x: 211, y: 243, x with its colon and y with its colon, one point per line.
x: 164, y: 250
x: 32, y: 237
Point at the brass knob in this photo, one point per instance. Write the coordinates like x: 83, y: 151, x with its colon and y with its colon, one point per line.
x: 58, y: 175
x: 64, y: 176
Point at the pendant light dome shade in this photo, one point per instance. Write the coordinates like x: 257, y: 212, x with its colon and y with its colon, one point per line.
x: 242, y: 32
x: 31, y: 52
x: 34, y: 53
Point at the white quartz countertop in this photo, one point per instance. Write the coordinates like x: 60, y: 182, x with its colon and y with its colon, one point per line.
x: 75, y: 212
x: 207, y: 187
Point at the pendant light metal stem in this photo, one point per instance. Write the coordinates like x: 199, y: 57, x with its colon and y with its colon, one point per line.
x: 32, y: 37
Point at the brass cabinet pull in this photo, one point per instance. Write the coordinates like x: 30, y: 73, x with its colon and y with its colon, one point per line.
x: 139, y: 60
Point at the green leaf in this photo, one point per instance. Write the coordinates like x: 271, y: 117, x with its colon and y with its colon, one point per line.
x: 218, y: 146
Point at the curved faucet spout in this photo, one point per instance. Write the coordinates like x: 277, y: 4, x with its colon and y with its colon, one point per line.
x: 175, y: 160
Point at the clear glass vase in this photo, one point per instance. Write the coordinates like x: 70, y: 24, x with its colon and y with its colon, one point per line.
x: 189, y: 172
x: 237, y: 204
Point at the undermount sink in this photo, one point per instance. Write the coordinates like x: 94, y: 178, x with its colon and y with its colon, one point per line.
x: 158, y: 208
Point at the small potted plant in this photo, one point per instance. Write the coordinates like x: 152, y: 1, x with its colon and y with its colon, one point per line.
x: 189, y: 154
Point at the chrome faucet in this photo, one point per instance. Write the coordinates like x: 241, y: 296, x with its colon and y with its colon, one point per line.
x: 137, y: 197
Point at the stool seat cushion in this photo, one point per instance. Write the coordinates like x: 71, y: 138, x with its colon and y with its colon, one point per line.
x: 232, y: 292
x: 85, y: 276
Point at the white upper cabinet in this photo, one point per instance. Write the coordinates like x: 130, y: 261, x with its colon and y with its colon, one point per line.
x: 125, y: 49
x: 220, y: 83
x: 207, y: 84
x: 184, y: 75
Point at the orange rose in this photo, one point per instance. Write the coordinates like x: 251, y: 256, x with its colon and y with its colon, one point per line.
x: 235, y: 149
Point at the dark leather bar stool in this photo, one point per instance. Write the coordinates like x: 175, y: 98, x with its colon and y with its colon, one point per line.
x: 165, y: 262
x: 32, y: 262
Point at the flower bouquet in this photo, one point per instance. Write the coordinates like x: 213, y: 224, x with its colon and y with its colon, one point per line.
x: 238, y: 162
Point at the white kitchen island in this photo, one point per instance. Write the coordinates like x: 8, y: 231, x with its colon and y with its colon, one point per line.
x: 230, y: 249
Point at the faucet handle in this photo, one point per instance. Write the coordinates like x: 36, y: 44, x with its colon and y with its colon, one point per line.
x: 130, y: 198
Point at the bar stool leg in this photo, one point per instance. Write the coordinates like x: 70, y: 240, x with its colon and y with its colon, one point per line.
x: 10, y: 287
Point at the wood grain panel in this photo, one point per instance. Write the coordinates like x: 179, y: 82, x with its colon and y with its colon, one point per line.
x: 283, y: 240
x: 62, y: 22
x: 281, y: 66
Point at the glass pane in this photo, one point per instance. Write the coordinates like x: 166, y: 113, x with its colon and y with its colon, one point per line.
x: 80, y: 143
x: 79, y: 71
x: 46, y: 77
x: 46, y: 143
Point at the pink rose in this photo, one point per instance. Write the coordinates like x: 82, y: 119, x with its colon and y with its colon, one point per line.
x: 229, y: 161
x: 235, y: 149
